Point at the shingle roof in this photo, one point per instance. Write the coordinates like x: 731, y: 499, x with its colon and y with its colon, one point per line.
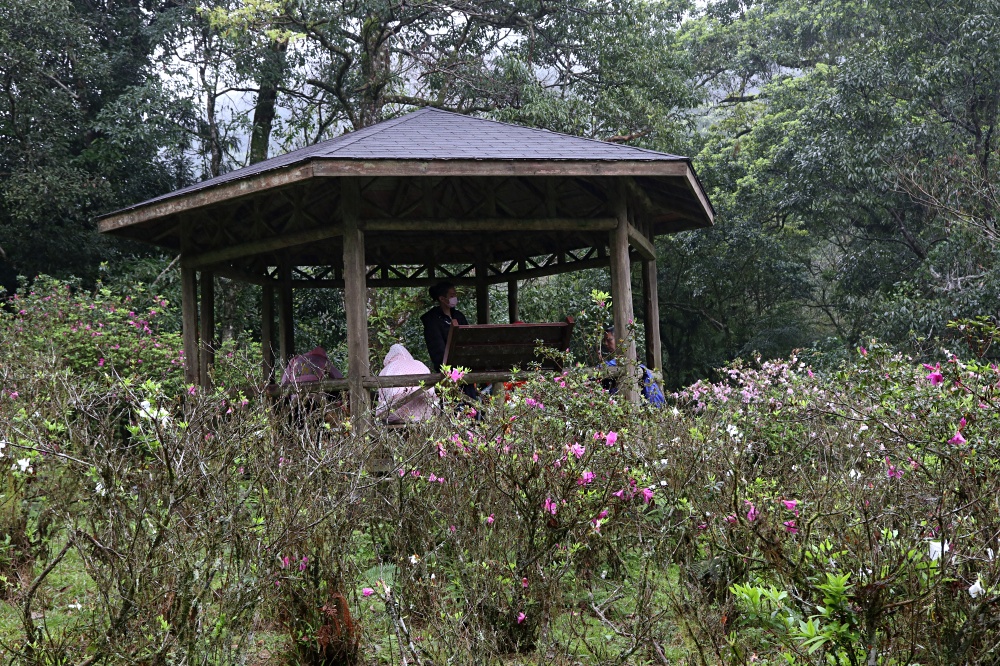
x: 433, y: 134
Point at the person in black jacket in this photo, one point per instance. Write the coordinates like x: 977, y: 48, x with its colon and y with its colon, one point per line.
x: 439, y: 319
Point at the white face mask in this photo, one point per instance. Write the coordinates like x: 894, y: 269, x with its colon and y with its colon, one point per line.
x: 453, y: 302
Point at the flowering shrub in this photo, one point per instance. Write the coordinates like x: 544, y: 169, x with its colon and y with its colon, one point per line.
x: 777, y: 515
x: 854, y: 512
x: 94, y: 334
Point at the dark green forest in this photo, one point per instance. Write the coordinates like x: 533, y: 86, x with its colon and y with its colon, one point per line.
x: 849, y: 147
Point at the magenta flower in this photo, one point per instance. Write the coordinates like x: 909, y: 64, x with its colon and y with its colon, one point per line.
x: 285, y: 562
x: 586, y: 478
x: 521, y: 617
x: 790, y: 526
x: 432, y: 478
x: 489, y: 519
x: 367, y: 591
x: 603, y: 514
x: 550, y: 506
x: 577, y: 450
x: 893, y: 472
x: 957, y: 439
x: 13, y: 395
x: 192, y: 390
x: 611, y: 438
x: 647, y: 495
x: 303, y: 563
x: 935, y: 377
x: 790, y: 504
x: 753, y: 513
x: 456, y: 375
x: 961, y: 423
x: 100, y: 363
x: 731, y: 519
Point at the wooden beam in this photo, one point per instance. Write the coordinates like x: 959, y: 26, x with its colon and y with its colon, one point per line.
x: 642, y: 244
x: 482, y: 292
x: 207, y: 195
x: 513, y: 312
x: 651, y: 315
x: 189, y: 323
x: 286, y: 316
x: 400, y: 381
x: 355, y: 301
x: 480, y: 168
x: 267, y: 332
x: 699, y: 192
x: 263, y: 245
x: 206, y: 357
x: 621, y: 293
x: 492, y: 224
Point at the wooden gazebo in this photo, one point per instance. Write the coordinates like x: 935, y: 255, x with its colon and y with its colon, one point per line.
x: 425, y: 197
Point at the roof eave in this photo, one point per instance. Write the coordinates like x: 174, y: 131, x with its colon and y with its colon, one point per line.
x: 324, y: 167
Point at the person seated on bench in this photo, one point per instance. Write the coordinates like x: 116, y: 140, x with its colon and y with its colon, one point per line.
x: 438, y: 320
x: 650, y: 389
x: 399, y: 405
x: 312, y: 367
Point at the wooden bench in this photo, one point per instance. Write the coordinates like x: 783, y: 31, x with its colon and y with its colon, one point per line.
x: 503, y: 347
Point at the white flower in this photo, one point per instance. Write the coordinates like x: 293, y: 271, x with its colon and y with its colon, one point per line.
x: 24, y: 464
x: 100, y: 489
x: 938, y: 548
x: 863, y: 427
x: 2, y: 445
x: 146, y: 411
x: 977, y: 588
x: 854, y: 474
x: 414, y: 559
x: 76, y: 606
x: 733, y: 431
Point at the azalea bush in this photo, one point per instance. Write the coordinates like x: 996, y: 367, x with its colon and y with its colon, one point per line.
x: 779, y: 514
x: 850, y: 518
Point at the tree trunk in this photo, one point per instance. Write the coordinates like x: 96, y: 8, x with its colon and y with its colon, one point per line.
x: 272, y: 73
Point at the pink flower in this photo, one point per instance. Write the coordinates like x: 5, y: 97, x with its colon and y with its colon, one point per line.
x: 790, y: 526
x: 13, y: 395
x: 285, y: 562
x: 611, y: 438
x: 647, y: 495
x: 893, y: 472
x: 100, y: 363
x: 550, y: 506
x: 731, y: 519
x: 577, y: 450
x: 402, y: 472
x: 586, y: 478
x: 961, y: 423
x: 531, y: 402
x: 864, y: 352
x: 441, y: 450
x: 432, y: 478
x: 790, y: 504
x: 524, y: 583
x: 521, y: 617
x: 603, y: 514
x: 303, y: 563
x: 489, y: 519
x: 957, y: 439
x: 456, y: 375
x: 753, y: 513
x: 192, y: 390
x: 935, y: 377
x: 367, y: 591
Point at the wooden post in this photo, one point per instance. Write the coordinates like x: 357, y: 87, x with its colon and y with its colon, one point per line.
x: 286, y: 322
x: 355, y: 301
x: 267, y: 332
x: 189, y: 323
x: 207, y: 347
x: 512, y: 310
x: 621, y: 292
x: 482, y: 293
x: 651, y: 314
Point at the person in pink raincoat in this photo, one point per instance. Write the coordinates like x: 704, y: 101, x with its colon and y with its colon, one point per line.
x: 311, y: 367
x: 395, y: 404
